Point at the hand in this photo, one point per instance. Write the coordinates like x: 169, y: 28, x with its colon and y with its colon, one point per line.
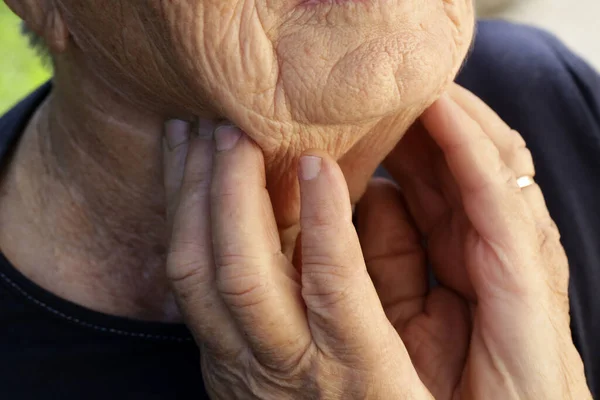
x: 489, y: 243
x: 266, y: 330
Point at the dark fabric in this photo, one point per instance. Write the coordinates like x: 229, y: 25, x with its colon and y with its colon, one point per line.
x: 54, y: 349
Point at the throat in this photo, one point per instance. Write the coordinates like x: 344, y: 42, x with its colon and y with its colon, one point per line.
x: 91, y: 204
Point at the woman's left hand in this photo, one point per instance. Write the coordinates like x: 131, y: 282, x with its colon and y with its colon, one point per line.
x: 494, y: 249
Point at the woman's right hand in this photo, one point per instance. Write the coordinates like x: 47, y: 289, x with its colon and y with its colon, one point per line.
x: 266, y: 331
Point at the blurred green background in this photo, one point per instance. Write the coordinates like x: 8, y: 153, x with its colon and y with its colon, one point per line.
x: 21, y: 69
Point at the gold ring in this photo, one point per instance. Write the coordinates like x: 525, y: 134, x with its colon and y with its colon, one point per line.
x: 525, y: 181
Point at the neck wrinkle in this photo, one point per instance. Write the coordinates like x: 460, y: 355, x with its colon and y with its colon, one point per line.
x: 94, y: 166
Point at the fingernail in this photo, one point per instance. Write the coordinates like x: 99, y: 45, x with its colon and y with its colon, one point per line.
x: 310, y: 167
x: 177, y: 132
x: 206, y: 128
x: 226, y: 137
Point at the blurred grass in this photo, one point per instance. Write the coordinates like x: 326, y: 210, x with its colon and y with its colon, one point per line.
x: 21, y: 69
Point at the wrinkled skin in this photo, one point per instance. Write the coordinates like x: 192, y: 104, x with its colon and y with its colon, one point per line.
x: 496, y: 328
x: 293, y: 74
x: 85, y: 185
x: 345, y: 77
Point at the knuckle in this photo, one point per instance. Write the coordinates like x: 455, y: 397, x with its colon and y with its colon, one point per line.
x: 339, y: 263
x: 319, y: 297
x: 190, y: 278
x: 186, y: 253
x: 327, y: 285
x: 241, y: 282
x: 548, y: 234
x: 241, y: 295
x: 184, y: 260
x: 554, y: 256
x: 294, y: 364
x: 188, y: 273
x: 517, y: 138
x: 520, y: 158
x: 523, y: 154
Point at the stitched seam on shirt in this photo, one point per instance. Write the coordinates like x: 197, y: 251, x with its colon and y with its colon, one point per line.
x: 86, y: 324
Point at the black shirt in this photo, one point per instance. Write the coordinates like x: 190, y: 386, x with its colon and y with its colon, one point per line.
x: 51, y: 348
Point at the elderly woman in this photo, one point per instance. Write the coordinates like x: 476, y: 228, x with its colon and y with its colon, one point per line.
x: 256, y: 252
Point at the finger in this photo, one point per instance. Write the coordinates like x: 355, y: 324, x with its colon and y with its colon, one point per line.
x: 515, y: 154
x: 392, y: 250
x: 190, y: 266
x: 435, y: 203
x: 344, y: 311
x: 414, y: 163
x: 513, y: 149
x: 490, y: 195
x: 445, y: 327
x: 255, y: 280
x: 175, y: 148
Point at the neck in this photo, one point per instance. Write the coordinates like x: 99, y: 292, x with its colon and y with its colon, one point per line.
x: 89, y: 165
